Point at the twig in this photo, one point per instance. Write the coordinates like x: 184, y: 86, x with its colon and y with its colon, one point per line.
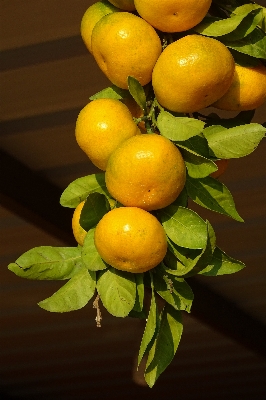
x: 99, y: 314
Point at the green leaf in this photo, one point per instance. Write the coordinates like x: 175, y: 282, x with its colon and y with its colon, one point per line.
x: 212, y: 194
x: 222, y: 264
x: 178, y: 128
x: 95, y: 207
x: 184, y: 227
x: 138, y: 306
x: 78, y: 190
x: 117, y: 290
x: 165, y: 345
x: 244, y: 59
x: 197, y: 145
x: 90, y: 255
x: 173, y: 290
x: 137, y: 92
x: 47, y: 262
x: 150, y: 330
x: 198, y: 166
x: 254, y: 44
x: 234, y: 142
x: 238, y: 26
x: 74, y: 295
x: 112, y: 92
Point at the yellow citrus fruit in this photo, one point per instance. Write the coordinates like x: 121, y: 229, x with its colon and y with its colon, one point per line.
x: 247, y: 91
x: 125, y: 45
x: 127, y: 5
x: 92, y: 15
x: 146, y: 171
x: 222, y: 167
x: 101, y: 126
x: 173, y: 15
x: 78, y: 232
x: 130, y: 239
x: 192, y: 73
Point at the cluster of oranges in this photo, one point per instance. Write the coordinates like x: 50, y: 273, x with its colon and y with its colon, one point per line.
x: 144, y: 171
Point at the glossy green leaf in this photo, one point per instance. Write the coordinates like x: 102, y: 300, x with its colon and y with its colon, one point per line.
x: 95, y: 207
x: 253, y: 6
x: 79, y: 189
x: 178, y: 128
x: 150, y: 330
x: 165, y: 345
x: 197, y: 145
x: 235, y: 27
x: 137, y: 92
x: 112, y: 92
x: 198, y: 166
x: 47, y: 262
x: 173, y: 290
x: 90, y: 256
x: 222, y: 264
x: 254, y: 44
x: 184, y: 227
x: 212, y: 194
x: 138, y: 306
x: 74, y: 295
x: 117, y: 290
x: 234, y: 142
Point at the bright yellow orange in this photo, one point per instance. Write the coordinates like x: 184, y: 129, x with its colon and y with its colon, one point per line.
x: 173, y: 15
x: 101, y: 126
x: 192, y: 73
x: 146, y: 171
x: 125, y: 45
x: 130, y: 239
x: 222, y: 167
x: 78, y: 232
x: 127, y: 5
x: 247, y: 91
x: 92, y: 15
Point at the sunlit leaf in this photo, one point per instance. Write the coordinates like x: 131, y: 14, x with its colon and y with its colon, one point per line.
x: 254, y: 44
x: 197, y: 145
x: 137, y: 92
x: 212, y: 194
x: 234, y: 142
x: 165, y: 345
x: 222, y: 264
x: 90, y: 255
x: 112, y: 92
x: 79, y: 189
x: 47, y: 262
x: 74, y: 295
x: 178, y: 128
x: 184, y: 227
x: 198, y: 166
x: 117, y: 290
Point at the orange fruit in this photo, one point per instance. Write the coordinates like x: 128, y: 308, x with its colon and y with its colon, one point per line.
x: 78, y: 232
x: 173, y: 15
x: 247, y: 91
x: 101, y: 126
x: 146, y: 171
x: 222, y: 167
x: 192, y: 73
x: 92, y: 15
x: 127, y: 5
x: 125, y: 45
x: 130, y: 239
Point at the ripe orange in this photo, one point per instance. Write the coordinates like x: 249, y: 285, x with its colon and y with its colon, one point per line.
x: 130, y: 239
x: 92, y: 15
x: 127, y: 5
x: 78, y: 232
x: 173, y: 15
x: 146, y: 171
x: 222, y: 167
x: 192, y: 73
x: 101, y: 126
x: 247, y: 91
x: 125, y: 45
